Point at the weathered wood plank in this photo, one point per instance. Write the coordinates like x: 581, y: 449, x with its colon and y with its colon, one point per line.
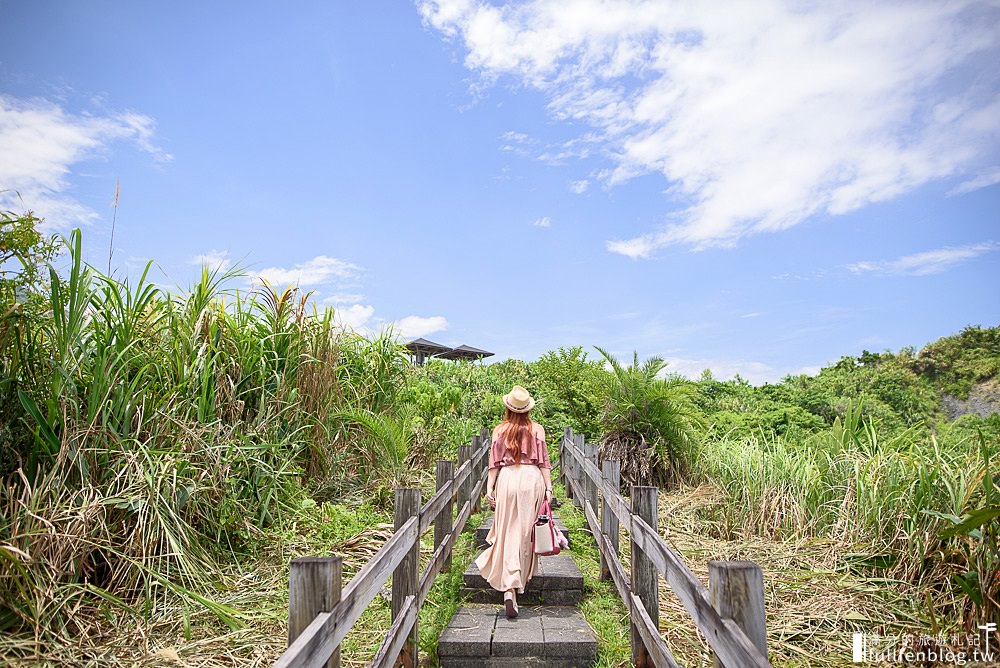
x: 611, y: 473
x: 314, y: 586
x: 653, y: 642
x: 437, y: 502
x: 328, y: 629
x: 396, y: 638
x: 733, y: 647
x: 736, y: 591
x: 644, y: 578
x: 405, y: 577
x: 658, y: 650
x: 313, y: 647
x: 444, y: 472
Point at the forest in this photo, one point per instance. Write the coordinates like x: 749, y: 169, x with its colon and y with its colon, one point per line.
x: 164, y: 455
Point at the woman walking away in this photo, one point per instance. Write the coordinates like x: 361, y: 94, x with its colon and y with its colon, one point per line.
x: 519, y: 480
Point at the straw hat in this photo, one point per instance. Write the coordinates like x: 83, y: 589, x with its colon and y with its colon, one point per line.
x: 519, y: 401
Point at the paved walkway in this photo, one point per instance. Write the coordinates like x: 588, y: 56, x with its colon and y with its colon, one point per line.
x: 549, y: 631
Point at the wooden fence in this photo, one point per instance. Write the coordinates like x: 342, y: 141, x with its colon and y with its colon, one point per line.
x: 730, y: 613
x: 321, y: 612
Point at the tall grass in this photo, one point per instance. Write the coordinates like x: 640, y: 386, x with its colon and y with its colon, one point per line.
x: 164, y: 433
x: 883, y: 499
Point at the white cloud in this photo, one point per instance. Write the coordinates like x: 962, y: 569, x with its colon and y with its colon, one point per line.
x: 926, y: 263
x: 355, y: 316
x: 317, y: 271
x: 544, y: 221
x: 215, y: 260
x: 579, y: 187
x: 759, y: 115
x: 983, y: 180
x: 413, y: 326
x: 41, y: 143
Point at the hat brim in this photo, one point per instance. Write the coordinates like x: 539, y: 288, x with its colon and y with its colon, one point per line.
x: 531, y: 404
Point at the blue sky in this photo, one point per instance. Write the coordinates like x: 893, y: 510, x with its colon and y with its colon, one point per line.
x: 759, y: 189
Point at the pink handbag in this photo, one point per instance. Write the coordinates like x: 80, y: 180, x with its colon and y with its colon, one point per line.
x: 543, y: 537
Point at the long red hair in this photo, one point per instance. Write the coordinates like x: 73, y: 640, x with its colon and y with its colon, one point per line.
x: 517, y: 430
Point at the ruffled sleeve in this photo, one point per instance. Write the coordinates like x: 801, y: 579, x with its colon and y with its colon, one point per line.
x: 535, y: 453
x: 541, y: 453
x: 497, y: 453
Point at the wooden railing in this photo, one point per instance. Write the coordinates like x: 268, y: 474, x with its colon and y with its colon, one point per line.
x: 730, y: 614
x: 320, y: 612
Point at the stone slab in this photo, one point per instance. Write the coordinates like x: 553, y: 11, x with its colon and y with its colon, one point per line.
x: 521, y: 636
x: 469, y: 633
x: 540, y: 637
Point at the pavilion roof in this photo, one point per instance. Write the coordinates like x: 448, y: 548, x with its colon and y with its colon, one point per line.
x: 426, y: 347
x: 465, y: 353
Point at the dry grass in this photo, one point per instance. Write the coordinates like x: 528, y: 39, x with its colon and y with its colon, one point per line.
x: 814, y: 600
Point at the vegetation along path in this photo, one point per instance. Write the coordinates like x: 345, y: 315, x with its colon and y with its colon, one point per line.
x: 166, y: 455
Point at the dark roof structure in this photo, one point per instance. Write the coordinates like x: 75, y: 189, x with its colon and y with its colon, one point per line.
x: 422, y: 348
x: 465, y: 353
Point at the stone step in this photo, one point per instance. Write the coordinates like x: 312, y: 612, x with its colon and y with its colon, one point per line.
x: 543, y: 637
x: 558, y: 581
x: 484, y: 530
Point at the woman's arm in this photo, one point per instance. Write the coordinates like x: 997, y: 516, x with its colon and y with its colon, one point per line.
x: 547, y: 468
x: 491, y: 481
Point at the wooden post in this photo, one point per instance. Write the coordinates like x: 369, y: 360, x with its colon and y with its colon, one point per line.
x: 565, y: 462
x: 566, y: 465
x: 612, y: 470
x: 444, y: 472
x: 465, y: 489
x: 405, y: 578
x: 581, y: 492
x: 477, y: 443
x: 736, y: 591
x: 590, y: 454
x: 645, y: 580
x: 314, y: 586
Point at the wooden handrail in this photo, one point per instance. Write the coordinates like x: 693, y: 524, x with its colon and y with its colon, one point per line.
x: 728, y: 640
x: 318, y: 642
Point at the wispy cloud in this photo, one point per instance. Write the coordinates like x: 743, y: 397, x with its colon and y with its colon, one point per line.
x: 544, y: 221
x: 413, y: 326
x: 349, y: 308
x: 215, y: 260
x: 758, y: 115
x: 41, y: 144
x: 926, y: 263
x: 355, y: 316
x: 983, y: 180
x: 317, y: 271
x: 579, y: 187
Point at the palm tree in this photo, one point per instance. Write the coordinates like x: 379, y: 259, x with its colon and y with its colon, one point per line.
x: 648, y: 422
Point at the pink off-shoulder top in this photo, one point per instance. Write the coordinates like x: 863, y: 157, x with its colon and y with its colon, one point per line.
x: 534, y: 452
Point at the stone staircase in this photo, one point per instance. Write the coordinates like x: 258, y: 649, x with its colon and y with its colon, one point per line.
x: 549, y: 631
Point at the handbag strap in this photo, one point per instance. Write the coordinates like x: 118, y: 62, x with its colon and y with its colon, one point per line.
x: 545, y: 509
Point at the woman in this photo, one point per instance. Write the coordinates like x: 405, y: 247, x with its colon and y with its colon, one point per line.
x: 519, y: 480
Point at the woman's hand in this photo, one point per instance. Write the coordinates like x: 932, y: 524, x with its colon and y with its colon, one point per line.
x: 491, y: 498
x: 548, y: 495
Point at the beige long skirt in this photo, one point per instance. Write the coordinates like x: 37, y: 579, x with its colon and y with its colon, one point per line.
x: 509, y: 562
